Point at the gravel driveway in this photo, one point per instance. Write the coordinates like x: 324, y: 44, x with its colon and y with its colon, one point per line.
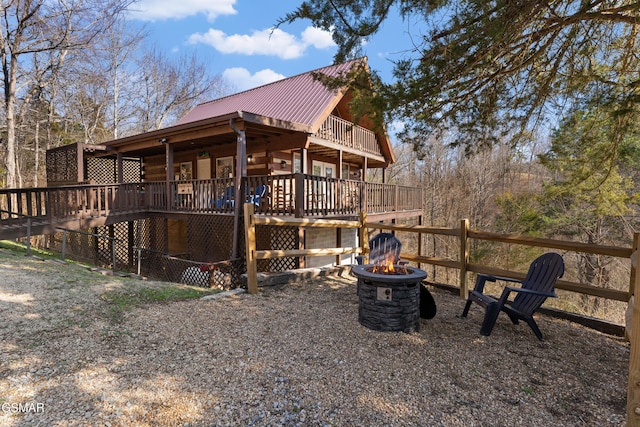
x: 293, y: 355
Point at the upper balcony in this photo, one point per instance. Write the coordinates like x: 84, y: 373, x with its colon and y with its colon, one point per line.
x: 348, y: 135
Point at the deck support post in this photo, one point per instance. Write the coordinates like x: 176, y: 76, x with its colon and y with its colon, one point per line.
x: 168, y: 152
x: 241, y: 172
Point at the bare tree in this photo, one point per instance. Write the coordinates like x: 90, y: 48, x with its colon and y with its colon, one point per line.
x: 30, y: 27
x: 170, y: 88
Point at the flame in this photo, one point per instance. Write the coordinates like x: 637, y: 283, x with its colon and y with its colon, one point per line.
x: 386, y: 266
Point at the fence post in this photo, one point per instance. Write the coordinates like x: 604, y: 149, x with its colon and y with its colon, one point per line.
x: 464, y: 257
x: 64, y: 243
x: 29, y: 236
x: 634, y: 267
x: 633, y: 392
x: 113, y: 253
x: 250, y: 245
x: 363, y: 234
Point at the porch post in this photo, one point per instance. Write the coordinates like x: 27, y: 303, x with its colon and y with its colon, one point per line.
x: 363, y: 178
x: 168, y: 153
x: 119, y: 179
x: 119, y: 173
x: 80, y: 161
x: 299, y: 187
x: 304, y: 162
x: 364, y: 169
x: 241, y: 173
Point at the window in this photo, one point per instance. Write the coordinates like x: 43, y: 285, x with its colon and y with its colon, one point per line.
x: 345, y: 171
x: 297, y: 163
x: 224, y: 167
x: 186, y: 171
x: 323, y: 169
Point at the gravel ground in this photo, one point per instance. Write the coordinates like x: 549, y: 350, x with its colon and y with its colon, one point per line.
x: 293, y: 355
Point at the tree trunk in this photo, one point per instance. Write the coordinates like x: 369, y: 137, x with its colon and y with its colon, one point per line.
x: 9, y: 105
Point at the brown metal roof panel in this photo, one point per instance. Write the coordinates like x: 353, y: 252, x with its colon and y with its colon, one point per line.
x: 299, y: 99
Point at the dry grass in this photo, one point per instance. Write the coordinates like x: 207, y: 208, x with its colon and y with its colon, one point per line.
x: 291, y: 355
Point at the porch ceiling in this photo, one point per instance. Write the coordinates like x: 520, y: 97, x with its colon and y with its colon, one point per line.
x: 261, y: 133
x: 347, y: 156
x: 200, y: 135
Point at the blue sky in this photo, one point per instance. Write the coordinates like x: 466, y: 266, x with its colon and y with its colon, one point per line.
x: 234, y: 37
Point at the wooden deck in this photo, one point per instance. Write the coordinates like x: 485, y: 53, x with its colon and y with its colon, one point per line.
x: 297, y: 195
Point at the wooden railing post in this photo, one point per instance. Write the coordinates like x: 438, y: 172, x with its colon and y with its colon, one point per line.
x: 396, y: 195
x: 250, y: 245
x: 363, y: 196
x: 299, y: 199
x: 633, y: 392
x: 464, y: 257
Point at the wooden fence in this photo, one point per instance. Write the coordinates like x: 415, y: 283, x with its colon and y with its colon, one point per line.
x: 462, y: 263
x: 464, y: 234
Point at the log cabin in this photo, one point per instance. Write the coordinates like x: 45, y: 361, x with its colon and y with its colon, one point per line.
x: 290, y: 147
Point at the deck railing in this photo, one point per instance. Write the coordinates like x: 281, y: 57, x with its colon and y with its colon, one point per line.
x: 296, y: 195
x: 47, y: 204
x: 343, y: 132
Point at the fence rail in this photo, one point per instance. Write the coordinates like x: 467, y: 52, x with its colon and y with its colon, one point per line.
x: 462, y: 263
x: 112, y: 244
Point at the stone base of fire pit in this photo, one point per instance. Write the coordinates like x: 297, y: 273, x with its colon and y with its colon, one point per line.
x: 389, y: 302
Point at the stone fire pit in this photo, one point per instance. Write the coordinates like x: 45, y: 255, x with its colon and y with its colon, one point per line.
x: 389, y: 301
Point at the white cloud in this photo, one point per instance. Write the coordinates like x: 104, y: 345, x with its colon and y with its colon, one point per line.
x: 152, y: 10
x: 242, y: 79
x: 266, y: 42
x: 318, y: 38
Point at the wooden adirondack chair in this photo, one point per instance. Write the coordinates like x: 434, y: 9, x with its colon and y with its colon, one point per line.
x: 536, y: 287
x: 383, y: 247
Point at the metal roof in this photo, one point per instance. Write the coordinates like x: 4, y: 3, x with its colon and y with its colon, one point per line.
x: 299, y: 99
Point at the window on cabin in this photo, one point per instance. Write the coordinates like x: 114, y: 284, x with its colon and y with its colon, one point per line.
x: 224, y: 167
x: 297, y: 163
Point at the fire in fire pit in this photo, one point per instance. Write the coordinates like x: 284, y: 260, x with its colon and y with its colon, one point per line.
x: 388, y: 269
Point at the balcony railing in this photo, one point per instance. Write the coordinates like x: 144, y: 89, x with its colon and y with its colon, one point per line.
x: 298, y: 195
x: 345, y: 133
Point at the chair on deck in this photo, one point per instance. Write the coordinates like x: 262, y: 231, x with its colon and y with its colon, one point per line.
x: 536, y: 287
x: 258, y: 194
x: 227, y: 199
